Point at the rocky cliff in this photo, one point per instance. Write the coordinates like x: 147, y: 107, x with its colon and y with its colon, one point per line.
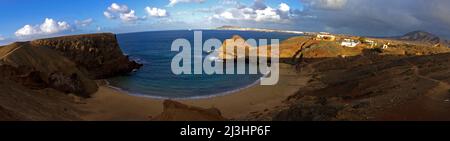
x: 98, y: 54
x: 38, y: 79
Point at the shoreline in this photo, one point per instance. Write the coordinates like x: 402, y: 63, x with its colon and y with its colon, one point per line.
x: 256, y: 82
x: 182, y: 98
x: 112, y: 104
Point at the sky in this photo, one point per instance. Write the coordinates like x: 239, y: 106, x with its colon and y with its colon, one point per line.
x: 30, y: 19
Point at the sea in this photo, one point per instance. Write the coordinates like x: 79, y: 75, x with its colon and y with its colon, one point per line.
x: 156, y: 79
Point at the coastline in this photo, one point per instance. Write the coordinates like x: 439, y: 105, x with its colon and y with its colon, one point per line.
x: 112, y: 104
x: 182, y: 98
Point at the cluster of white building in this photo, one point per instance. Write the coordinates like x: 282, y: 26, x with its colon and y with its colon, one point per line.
x: 349, y: 43
x: 346, y: 42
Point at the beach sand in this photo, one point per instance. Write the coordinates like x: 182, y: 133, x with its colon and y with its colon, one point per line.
x: 112, y: 104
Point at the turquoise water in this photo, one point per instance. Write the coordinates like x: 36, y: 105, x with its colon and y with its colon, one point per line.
x: 156, y: 79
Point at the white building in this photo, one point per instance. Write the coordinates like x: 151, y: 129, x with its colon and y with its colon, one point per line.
x: 349, y: 43
x: 325, y: 37
x: 371, y: 43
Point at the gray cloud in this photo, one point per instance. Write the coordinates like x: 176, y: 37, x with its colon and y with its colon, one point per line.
x: 259, y: 5
x: 326, y: 4
x: 376, y: 17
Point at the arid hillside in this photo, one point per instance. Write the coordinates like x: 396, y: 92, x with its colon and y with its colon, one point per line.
x: 406, y: 81
x: 378, y: 79
x: 40, y: 67
x: 42, y: 79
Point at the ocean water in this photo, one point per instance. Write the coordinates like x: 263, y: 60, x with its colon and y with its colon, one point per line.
x: 156, y: 79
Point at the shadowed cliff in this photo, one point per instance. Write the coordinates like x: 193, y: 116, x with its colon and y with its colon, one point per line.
x: 98, y: 54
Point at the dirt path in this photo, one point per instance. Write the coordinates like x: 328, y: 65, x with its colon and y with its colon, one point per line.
x: 417, y: 73
x: 442, y: 87
x: 433, y: 105
x: 11, y: 51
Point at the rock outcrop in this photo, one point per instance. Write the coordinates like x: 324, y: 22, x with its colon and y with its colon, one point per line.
x: 175, y: 111
x: 98, y: 54
x: 230, y: 47
x: 238, y: 48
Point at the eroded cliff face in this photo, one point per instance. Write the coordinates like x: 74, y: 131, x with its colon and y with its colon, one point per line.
x: 39, y: 80
x: 97, y: 54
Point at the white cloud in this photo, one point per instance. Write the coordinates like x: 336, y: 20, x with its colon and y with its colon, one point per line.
x: 156, y: 12
x: 27, y: 30
x: 229, y: 2
x: 49, y: 26
x: 123, y: 12
x: 2, y: 38
x: 174, y: 2
x: 268, y: 14
x: 284, y: 7
x: 258, y: 11
x: 84, y: 23
x: 227, y: 15
x: 234, y: 14
x: 118, y: 8
x: 109, y: 15
x: 129, y: 17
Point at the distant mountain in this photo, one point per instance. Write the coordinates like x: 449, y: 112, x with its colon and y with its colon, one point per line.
x: 228, y: 27
x: 424, y: 37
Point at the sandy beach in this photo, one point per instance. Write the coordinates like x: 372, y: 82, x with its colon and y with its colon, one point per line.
x: 112, y: 104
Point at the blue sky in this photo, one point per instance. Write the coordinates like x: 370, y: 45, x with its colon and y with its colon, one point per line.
x: 184, y: 15
x: 30, y: 19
